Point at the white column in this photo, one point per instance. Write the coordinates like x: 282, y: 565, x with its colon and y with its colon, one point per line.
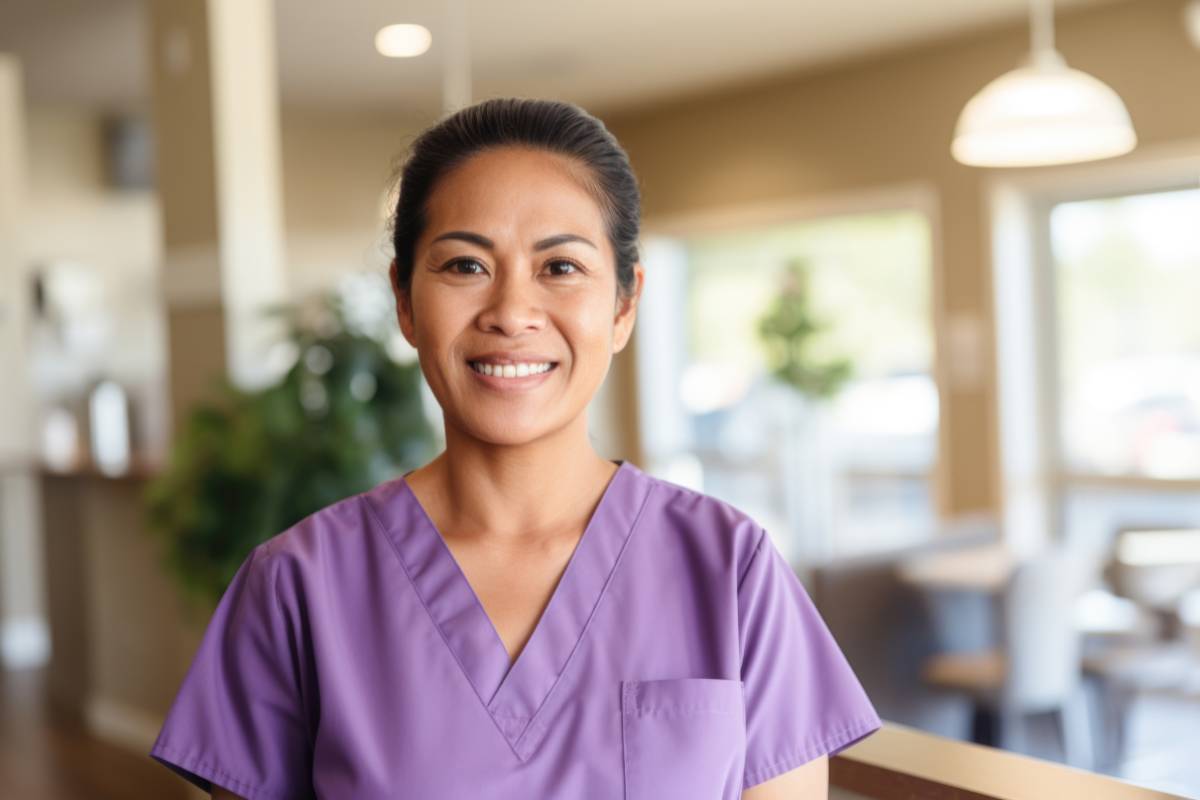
x: 245, y: 96
x: 16, y: 431
x: 24, y: 638
x: 216, y: 121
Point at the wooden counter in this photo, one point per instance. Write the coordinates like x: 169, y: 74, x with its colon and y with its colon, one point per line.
x: 901, y: 763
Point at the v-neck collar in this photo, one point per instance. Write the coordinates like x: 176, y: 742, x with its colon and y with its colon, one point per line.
x: 513, y: 696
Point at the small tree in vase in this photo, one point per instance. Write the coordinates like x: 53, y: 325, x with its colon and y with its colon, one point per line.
x: 788, y: 331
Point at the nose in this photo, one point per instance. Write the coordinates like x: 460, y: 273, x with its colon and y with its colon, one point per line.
x: 514, y: 304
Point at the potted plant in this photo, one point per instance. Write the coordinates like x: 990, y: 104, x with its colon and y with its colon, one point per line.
x: 788, y: 331
x: 343, y: 417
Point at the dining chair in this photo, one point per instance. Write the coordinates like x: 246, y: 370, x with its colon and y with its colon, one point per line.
x: 1155, y: 566
x: 1035, y: 665
x: 1151, y: 568
x: 1189, y: 617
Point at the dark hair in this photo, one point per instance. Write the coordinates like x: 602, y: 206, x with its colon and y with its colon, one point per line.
x: 552, y: 125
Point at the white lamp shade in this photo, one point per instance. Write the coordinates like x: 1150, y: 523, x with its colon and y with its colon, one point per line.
x: 1044, y: 113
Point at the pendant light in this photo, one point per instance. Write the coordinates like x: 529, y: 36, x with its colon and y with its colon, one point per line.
x: 1043, y: 112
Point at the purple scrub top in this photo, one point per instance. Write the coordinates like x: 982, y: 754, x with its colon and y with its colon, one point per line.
x: 679, y: 657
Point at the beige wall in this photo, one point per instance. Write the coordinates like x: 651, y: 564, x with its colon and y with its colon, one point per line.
x: 335, y: 168
x: 889, y: 120
x: 335, y: 172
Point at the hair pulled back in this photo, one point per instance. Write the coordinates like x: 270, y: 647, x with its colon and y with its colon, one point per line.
x: 552, y: 125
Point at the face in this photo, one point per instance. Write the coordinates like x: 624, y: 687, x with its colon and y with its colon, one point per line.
x: 514, y: 272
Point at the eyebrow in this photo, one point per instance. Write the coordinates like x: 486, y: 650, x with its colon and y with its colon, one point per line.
x: 486, y: 243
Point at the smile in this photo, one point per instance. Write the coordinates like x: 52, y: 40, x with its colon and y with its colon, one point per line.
x: 521, y: 370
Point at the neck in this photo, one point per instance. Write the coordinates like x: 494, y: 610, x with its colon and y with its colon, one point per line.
x: 520, y: 492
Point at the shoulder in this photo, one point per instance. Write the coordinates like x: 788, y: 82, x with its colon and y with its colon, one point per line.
x: 703, y: 519
x: 342, y: 535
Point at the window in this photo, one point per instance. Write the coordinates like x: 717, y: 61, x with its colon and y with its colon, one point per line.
x: 1127, y: 275
x: 825, y: 478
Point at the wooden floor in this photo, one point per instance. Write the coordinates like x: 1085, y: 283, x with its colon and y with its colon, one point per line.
x: 45, y: 757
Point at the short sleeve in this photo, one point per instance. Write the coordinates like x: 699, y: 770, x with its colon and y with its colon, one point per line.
x: 237, y: 720
x: 803, y: 700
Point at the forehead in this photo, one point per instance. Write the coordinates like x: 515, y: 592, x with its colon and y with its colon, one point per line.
x: 514, y: 191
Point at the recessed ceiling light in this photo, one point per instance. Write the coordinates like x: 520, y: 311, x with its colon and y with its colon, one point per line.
x: 403, y: 41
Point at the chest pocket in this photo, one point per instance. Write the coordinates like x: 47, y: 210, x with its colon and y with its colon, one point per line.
x: 683, y: 739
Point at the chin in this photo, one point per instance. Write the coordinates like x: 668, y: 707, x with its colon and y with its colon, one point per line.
x: 499, y: 431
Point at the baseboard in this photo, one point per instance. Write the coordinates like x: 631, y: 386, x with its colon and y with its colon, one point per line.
x: 122, y: 725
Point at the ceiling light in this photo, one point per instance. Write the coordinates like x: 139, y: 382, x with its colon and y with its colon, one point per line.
x: 403, y: 41
x: 1043, y: 112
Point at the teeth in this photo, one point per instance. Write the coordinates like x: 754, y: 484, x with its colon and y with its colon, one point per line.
x: 510, y: 370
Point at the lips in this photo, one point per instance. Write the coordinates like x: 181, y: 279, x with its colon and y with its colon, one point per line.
x: 512, y: 378
x: 519, y: 370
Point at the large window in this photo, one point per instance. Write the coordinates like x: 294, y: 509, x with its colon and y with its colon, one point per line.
x: 1126, y: 275
x: 1127, y: 281
x: 827, y: 478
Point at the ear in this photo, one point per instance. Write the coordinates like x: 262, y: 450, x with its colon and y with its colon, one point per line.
x: 627, y: 310
x: 404, y: 314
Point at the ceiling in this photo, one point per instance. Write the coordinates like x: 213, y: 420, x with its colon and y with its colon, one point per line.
x: 603, y: 55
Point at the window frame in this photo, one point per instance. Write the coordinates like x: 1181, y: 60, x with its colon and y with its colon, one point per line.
x: 1032, y: 475
x: 667, y: 230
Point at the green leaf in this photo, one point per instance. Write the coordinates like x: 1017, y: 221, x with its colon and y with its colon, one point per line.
x: 246, y: 466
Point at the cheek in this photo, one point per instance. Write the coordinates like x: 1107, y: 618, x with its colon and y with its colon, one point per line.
x: 437, y: 317
x: 589, y: 324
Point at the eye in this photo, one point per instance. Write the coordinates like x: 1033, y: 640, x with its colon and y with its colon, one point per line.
x: 565, y: 263
x: 453, y: 265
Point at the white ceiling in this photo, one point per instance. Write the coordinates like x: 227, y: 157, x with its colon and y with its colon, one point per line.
x: 603, y: 55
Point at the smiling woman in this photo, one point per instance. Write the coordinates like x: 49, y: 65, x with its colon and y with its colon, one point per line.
x: 520, y: 617
x: 514, y: 268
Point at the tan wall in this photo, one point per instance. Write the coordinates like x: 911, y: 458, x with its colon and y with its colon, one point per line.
x: 889, y: 120
x: 335, y: 168
x: 335, y: 172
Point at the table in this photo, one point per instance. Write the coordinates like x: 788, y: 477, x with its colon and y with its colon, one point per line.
x: 983, y: 568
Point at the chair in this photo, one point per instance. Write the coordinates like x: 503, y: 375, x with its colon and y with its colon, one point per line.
x: 1189, y: 617
x: 1036, y: 666
x: 1155, y: 568
x: 878, y: 622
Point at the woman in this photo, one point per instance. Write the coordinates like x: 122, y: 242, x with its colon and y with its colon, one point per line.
x: 519, y: 618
